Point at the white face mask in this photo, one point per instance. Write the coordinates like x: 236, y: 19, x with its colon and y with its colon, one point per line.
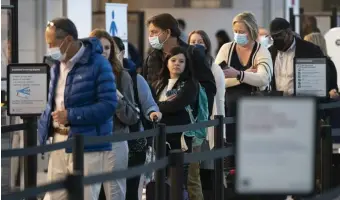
x: 264, y: 40
x: 56, y: 54
x: 154, y: 42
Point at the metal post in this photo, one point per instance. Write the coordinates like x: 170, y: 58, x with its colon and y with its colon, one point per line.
x: 30, y: 162
x: 176, y: 160
x: 334, y: 17
x: 326, y: 157
x: 161, y: 153
x: 218, y: 179
x: 292, y: 18
x: 75, y: 182
x: 301, y: 18
x: 15, y: 32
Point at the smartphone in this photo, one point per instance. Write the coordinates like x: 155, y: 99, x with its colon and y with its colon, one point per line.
x: 48, y: 60
x: 223, y: 65
x: 171, y: 92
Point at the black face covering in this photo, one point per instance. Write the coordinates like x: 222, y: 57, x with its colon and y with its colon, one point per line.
x: 279, y: 44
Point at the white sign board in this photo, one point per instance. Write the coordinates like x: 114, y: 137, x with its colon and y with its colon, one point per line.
x: 28, y: 89
x: 275, y: 150
x: 117, y: 22
x: 310, y: 77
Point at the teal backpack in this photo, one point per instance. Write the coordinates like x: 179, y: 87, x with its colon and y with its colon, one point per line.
x: 202, y: 115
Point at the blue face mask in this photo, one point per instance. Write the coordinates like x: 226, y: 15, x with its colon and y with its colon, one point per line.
x: 201, y: 48
x: 241, y: 39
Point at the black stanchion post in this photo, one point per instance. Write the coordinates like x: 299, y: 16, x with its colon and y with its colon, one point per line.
x: 326, y: 157
x: 218, y: 179
x: 334, y: 17
x: 30, y: 162
x: 292, y: 18
x: 176, y: 160
x: 301, y: 16
x: 161, y: 153
x: 75, y: 182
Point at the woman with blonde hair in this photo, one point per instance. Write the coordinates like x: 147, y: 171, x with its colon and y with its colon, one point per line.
x: 125, y: 115
x: 319, y: 40
x: 248, y: 64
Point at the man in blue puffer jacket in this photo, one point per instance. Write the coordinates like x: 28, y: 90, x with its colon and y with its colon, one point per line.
x: 82, y: 99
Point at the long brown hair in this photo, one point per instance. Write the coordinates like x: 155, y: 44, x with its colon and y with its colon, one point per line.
x: 116, y: 65
x: 207, y: 44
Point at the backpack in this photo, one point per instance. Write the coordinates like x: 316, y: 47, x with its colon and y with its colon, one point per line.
x: 140, y: 144
x: 203, y: 73
x: 202, y: 115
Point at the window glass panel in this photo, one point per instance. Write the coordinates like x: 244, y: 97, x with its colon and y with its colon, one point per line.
x: 5, y: 41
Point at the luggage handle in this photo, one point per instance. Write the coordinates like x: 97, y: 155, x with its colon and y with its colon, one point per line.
x: 154, y: 125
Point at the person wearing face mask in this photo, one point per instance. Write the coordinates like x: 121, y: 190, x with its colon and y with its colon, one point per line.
x: 286, y: 46
x: 82, y: 97
x: 264, y: 37
x: 248, y: 64
x: 247, y: 68
x: 201, y: 39
x: 164, y: 34
x: 149, y: 111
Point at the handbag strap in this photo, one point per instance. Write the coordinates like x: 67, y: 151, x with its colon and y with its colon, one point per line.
x: 191, y: 115
x: 231, y: 49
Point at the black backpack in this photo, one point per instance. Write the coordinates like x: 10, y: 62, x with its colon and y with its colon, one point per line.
x: 142, y: 143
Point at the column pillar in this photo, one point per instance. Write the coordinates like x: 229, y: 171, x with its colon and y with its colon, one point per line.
x: 80, y: 12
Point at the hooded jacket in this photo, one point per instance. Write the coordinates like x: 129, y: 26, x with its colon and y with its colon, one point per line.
x: 90, y: 97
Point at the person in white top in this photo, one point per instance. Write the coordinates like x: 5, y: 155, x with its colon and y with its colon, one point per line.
x: 199, y: 37
x: 264, y: 37
x: 249, y: 66
x: 286, y: 46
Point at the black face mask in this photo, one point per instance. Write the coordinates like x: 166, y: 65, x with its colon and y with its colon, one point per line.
x: 279, y: 44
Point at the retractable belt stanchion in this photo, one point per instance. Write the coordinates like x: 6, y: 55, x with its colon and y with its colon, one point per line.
x: 326, y: 152
x: 176, y: 161
x: 334, y: 17
x: 292, y: 18
x: 161, y: 153
x: 75, y: 181
x: 218, y: 173
x: 30, y: 162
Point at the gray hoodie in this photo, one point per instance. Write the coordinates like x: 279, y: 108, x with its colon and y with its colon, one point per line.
x: 146, y: 100
x: 126, y: 114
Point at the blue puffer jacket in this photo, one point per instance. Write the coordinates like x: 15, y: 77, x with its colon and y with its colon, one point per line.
x: 90, y: 97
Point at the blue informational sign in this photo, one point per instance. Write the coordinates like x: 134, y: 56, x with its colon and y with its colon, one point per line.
x: 116, y: 22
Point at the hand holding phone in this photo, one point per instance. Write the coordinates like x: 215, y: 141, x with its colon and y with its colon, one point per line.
x: 223, y: 65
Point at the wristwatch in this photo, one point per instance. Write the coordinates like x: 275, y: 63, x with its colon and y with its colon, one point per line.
x: 240, y: 76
